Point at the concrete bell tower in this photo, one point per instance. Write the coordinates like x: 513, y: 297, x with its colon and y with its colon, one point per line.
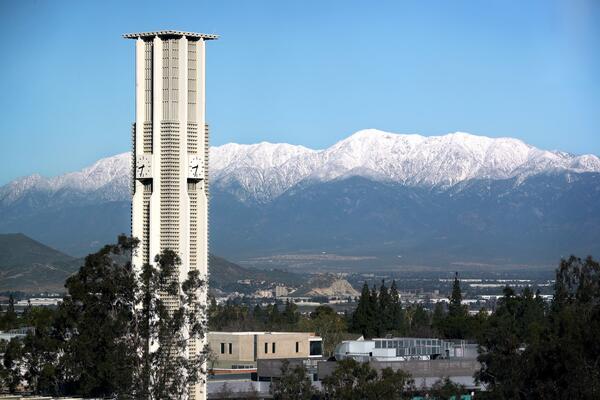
x: 170, y: 156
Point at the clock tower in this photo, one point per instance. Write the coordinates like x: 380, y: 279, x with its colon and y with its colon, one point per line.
x: 170, y: 157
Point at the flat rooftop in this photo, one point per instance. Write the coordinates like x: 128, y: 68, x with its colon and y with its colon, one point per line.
x: 260, y: 333
x: 142, y: 35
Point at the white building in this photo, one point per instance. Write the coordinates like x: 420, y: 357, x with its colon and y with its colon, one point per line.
x: 403, y: 349
x: 170, y: 155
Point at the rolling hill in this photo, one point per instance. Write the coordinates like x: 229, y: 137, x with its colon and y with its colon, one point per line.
x: 30, y: 266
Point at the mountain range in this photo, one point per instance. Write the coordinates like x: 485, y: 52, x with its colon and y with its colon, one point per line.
x: 411, y: 199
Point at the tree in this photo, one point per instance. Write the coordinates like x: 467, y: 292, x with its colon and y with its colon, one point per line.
x: 290, y: 315
x: 97, y: 325
x: 418, y: 321
x: 363, y: 320
x: 330, y: 326
x: 374, y: 313
x: 396, y: 314
x: 445, y: 389
x: 393, y: 385
x: 294, y: 383
x: 169, y: 329
x: 456, y: 324
x: 11, y: 371
x: 384, y: 311
x: 455, y: 306
x: 438, y: 318
x: 528, y: 351
x: 352, y: 380
x: 500, y: 345
x: 40, y: 354
x: 115, y: 335
x: 274, y: 318
x: 9, y: 319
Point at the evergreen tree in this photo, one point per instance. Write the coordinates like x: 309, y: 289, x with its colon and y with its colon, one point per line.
x: 421, y: 322
x: 362, y: 318
x: 291, y: 316
x: 274, y: 316
x: 396, y: 315
x: 259, y: 315
x: 438, y: 318
x: 457, y: 323
x: 374, y: 317
x: 384, y: 311
x: 9, y: 319
x: 455, y: 307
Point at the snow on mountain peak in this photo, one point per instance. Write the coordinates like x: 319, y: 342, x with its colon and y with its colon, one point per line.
x: 109, y: 176
x: 408, y: 159
x: 263, y: 171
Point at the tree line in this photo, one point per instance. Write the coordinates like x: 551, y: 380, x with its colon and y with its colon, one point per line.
x: 97, y: 342
x: 352, y: 380
x: 528, y: 348
x: 381, y: 312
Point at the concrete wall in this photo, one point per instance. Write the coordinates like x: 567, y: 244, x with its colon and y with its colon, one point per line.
x: 243, y: 350
x: 423, y: 372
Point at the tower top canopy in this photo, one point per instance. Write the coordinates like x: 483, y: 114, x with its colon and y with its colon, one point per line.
x: 169, y: 33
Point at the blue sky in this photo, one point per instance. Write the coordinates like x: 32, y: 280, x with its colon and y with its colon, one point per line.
x: 303, y: 72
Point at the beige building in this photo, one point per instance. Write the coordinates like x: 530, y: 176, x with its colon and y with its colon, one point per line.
x: 238, y: 351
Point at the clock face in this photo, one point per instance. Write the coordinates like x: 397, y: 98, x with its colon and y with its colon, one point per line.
x: 195, y: 167
x: 143, y: 167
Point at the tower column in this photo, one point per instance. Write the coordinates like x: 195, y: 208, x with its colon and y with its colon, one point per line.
x: 170, y: 159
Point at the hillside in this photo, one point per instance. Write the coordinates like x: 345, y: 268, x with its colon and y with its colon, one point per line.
x: 326, y: 285
x: 225, y: 275
x: 30, y: 266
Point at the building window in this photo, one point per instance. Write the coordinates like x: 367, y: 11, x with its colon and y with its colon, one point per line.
x: 222, y: 348
x: 315, y: 348
x: 230, y: 348
x: 273, y: 348
x: 297, y: 347
x: 266, y: 348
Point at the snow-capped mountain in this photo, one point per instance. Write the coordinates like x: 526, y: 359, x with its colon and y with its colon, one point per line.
x: 108, y: 179
x: 266, y: 170
x: 493, y: 197
x: 263, y: 171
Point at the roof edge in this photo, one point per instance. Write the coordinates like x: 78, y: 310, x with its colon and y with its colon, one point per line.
x: 139, y: 35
